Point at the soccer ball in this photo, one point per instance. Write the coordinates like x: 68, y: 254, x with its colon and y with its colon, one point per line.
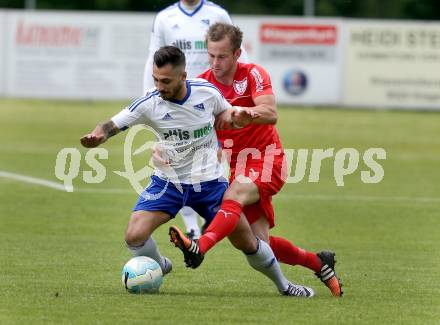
x: 142, y: 274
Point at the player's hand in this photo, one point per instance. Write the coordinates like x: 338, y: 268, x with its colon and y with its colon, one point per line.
x: 243, y: 116
x: 92, y: 140
x: 158, y: 159
x: 222, y: 123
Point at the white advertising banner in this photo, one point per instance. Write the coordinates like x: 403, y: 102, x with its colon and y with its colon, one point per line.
x: 302, y: 56
x: 76, y: 55
x: 392, y: 64
x: 361, y: 63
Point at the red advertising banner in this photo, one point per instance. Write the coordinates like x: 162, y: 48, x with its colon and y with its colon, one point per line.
x: 298, y: 34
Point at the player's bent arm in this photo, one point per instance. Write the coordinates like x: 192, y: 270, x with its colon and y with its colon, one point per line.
x: 265, y: 106
x: 110, y: 129
x: 100, y: 134
x: 223, y: 121
x: 235, y: 118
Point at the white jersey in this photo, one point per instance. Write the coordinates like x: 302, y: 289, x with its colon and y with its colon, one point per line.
x: 185, y: 129
x: 187, y: 31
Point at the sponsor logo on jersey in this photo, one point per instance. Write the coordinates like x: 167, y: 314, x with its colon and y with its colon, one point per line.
x: 185, y: 45
x: 182, y: 44
x: 176, y: 26
x: 202, y: 131
x: 295, y: 82
x: 167, y: 117
x: 240, y: 86
x: 199, y: 107
x: 258, y: 79
x: 205, y: 21
x: 200, y: 45
x: 177, y: 134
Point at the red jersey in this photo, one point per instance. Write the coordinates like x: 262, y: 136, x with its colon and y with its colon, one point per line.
x: 250, y: 81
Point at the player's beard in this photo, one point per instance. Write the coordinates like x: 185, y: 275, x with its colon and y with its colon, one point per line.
x: 218, y: 73
x: 172, y: 94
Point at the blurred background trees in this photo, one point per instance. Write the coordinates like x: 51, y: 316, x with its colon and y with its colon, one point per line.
x: 381, y: 9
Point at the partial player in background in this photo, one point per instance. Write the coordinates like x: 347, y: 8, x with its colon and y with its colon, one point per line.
x: 249, y: 85
x: 184, y: 25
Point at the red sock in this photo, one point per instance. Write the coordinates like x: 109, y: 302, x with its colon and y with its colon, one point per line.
x: 221, y: 226
x: 287, y: 253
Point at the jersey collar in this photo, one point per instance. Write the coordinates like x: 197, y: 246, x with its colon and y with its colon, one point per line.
x: 183, y: 100
x: 190, y: 14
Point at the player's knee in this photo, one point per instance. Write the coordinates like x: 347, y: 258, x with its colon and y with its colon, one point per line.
x: 134, y: 238
x: 247, y: 246
x: 242, y: 192
x: 242, y: 238
x: 138, y: 229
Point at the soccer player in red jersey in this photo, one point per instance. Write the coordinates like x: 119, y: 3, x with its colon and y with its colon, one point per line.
x: 257, y: 168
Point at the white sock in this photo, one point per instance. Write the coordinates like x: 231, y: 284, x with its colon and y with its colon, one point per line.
x: 264, y: 261
x: 149, y: 249
x: 190, y: 218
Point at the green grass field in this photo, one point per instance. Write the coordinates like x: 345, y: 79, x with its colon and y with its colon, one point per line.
x: 62, y: 253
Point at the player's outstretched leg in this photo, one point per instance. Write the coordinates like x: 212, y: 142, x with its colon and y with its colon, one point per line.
x: 295, y: 290
x: 321, y: 263
x: 264, y: 261
x: 191, y: 252
x: 327, y: 273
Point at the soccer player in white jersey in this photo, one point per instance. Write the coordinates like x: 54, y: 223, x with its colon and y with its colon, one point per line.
x: 183, y: 113
x: 184, y: 25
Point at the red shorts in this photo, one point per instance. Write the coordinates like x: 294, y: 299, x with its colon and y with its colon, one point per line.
x: 269, y: 179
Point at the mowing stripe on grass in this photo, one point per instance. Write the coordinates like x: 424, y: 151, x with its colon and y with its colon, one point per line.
x: 360, y: 198
x: 365, y: 198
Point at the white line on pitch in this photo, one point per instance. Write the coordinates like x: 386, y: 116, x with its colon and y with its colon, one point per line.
x: 32, y: 180
x: 55, y: 185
